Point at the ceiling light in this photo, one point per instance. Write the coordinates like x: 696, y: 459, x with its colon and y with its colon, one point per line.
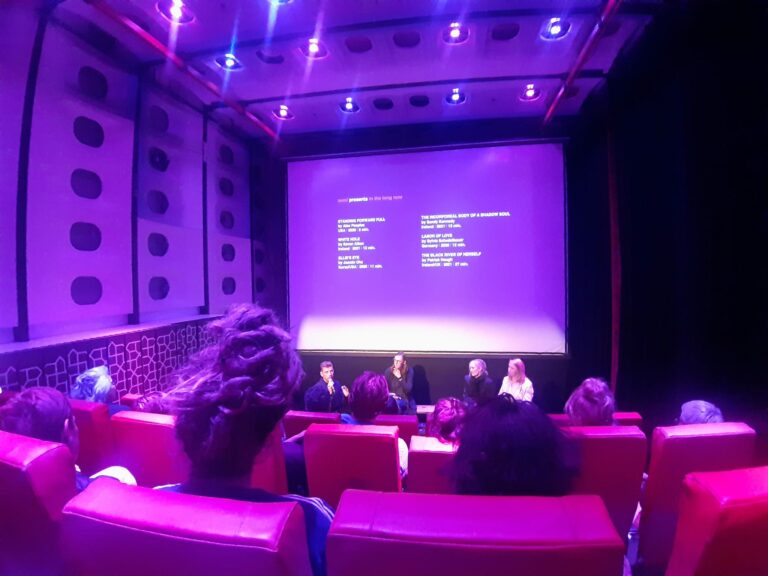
x: 349, y: 106
x: 282, y: 113
x: 456, y: 97
x: 280, y: 2
x: 229, y: 62
x: 314, y: 49
x: 455, y: 34
x: 175, y: 11
x: 555, y: 29
x: 530, y: 93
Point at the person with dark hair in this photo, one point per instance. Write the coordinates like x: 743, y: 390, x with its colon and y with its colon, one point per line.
x: 447, y: 419
x: 591, y: 404
x: 368, y: 397
x: 227, y: 402
x: 327, y: 394
x: 400, y: 379
x: 45, y: 413
x: 479, y: 387
x: 511, y: 448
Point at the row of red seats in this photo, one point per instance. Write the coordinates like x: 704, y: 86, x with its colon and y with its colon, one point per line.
x: 122, y: 530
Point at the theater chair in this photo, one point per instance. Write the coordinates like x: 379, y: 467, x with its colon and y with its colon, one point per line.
x: 111, y: 528
x: 96, y: 444
x: 380, y: 534
x: 296, y: 421
x: 428, y: 462
x: 146, y: 445
x: 612, y: 463
x: 36, y: 480
x: 341, y: 456
x: 675, y: 452
x: 619, y: 418
x: 268, y: 470
x: 723, y: 524
x: 407, y: 424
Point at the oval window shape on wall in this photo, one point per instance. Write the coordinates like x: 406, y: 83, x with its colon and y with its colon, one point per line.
x: 88, y: 132
x: 157, y: 244
x: 85, y: 290
x: 85, y: 236
x: 228, y: 285
x: 158, y: 288
x: 92, y: 83
x: 85, y: 183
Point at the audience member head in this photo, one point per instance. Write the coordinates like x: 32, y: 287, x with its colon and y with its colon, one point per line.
x: 591, y: 404
x: 511, y: 448
x: 326, y: 371
x: 43, y: 413
x: 94, y: 385
x: 317, y: 399
x: 400, y: 362
x: 516, y: 370
x: 477, y: 368
x: 368, y: 396
x: 699, y: 412
x: 447, y: 419
x: 234, y: 392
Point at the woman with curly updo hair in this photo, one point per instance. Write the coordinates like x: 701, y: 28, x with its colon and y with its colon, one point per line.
x: 227, y: 402
x: 591, y: 404
x: 447, y: 419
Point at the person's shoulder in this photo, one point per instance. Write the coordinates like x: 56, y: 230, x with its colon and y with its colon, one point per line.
x: 316, y: 505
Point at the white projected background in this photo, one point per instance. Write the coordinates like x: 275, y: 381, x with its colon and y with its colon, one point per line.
x: 459, y: 250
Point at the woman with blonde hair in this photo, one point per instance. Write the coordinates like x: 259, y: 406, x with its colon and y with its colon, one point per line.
x: 516, y: 383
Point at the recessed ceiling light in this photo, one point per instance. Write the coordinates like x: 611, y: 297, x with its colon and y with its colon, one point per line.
x: 530, y: 93
x: 314, y: 49
x: 349, y: 106
x: 280, y: 2
x: 175, y: 11
x: 455, y: 34
x: 456, y: 97
x: 229, y: 62
x: 555, y: 29
x: 282, y: 113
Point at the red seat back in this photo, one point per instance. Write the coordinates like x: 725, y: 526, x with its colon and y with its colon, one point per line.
x: 36, y: 480
x: 407, y: 424
x: 675, y: 452
x: 268, y: 470
x: 428, y: 462
x: 168, y: 533
x: 296, y: 421
x: 612, y: 463
x: 146, y: 445
x: 619, y: 418
x: 376, y: 533
x: 723, y: 524
x: 92, y: 420
x: 341, y: 456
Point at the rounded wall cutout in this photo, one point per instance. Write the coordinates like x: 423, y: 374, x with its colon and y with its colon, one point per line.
x: 406, y: 38
x: 228, y: 285
x: 157, y: 201
x: 85, y: 183
x: 505, y: 31
x: 226, y: 187
x: 419, y: 101
x: 383, y: 104
x: 269, y: 58
x: 85, y: 290
x: 227, y: 252
x: 260, y: 285
x: 88, y: 132
x: 158, y: 288
x: 92, y: 83
x: 227, y: 220
x: 226, y: 156
x: 158, y: 159
x: 258, y: 256
x: 85, y: 236
x: 358, y: 44
x: 157, y: 244
x: 157, y: 120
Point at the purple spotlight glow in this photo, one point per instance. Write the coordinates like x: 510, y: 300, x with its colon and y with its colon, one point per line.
x: 229, y: 62
x: 530, y: 93
x: 455, y: 34
x: 175, y: 11
x: 314, y: 49
x: 282, y: 113
x: 555, y: 29
x: 349, y: 106
x: 456, y: 97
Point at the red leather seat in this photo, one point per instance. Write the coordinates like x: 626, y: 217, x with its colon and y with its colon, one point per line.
x: 36, y: 480
x: 96, y: 444
x: 146, y: 445
x: 612, y: 464
x: 723, y: 524
x: 341, y: 456
x: 375, y: 533
x: 296, y: 421
x: 407, y: 424
x: 268, y: 470
x: 675, y: 452
x: 620, y: 418
x: 168, y: 533
x: 428, y: 462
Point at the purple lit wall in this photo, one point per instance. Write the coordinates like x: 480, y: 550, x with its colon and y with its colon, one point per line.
x: 170, y: 207
x: 13, y: 72
x: 229, y: 222
x: 79, y: 210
